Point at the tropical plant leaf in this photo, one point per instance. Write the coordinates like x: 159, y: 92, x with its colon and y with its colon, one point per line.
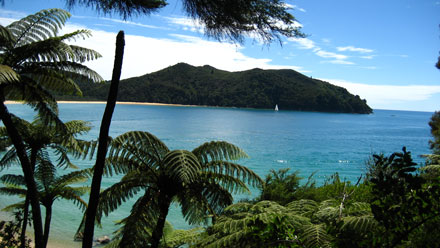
x: 315, y: 236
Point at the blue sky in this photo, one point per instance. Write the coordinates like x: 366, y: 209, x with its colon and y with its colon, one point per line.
x: 384, y: 51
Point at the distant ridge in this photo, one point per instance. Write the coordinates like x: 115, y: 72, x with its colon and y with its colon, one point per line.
x: 255, y: 88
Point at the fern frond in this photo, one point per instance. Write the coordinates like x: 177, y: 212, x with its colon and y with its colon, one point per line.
x: 138, y: 226
x: 14, y: 207
x: 218, y: 150
x: 230, y: 183
x: 9, y: 158
x: 12, y: 191
x: 74, y: 194
x: 234, y: 170
x: 359, y: 224
x: 182, y: 166
x: 303, y: 207
x: 39, y: 26
x: 15, y: 180
x: 112, y: 197
x: 8, y: 75
x: 145, y: 140
x: 315, y: 236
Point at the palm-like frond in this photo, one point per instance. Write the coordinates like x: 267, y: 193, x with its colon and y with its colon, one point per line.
x: 316, y: 236
x: 8, y: 75
x: 130, y: 143
x: 218, y: 151
x: 359, y: 224
x: 230, y: 183
x: 9, y: 158
x: 7, y: 39
x: 112, y: 197
x: 12, y: 191
x: 139, y: 224
x: 15, y: 180
x: 303, y: 207
x: 234, y: 228
x: 198, y: 202
x: 74, y: 194
x: 40, y: 26
x: 14, y: 207
x: 181, y: 166
x: 235, y: 170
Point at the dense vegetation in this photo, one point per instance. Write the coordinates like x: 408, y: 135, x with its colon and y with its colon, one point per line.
x: 256, y: 88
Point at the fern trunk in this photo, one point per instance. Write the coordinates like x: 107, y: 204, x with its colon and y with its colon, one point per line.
x: 25, y: 222
x: 164, y: 205
x: 27, y: 170
x: 47, y: 224
x: 102, y: 146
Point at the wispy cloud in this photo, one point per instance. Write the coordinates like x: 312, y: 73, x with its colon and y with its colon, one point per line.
x: 305, y: 43
x: 367, y: 57
x: 338, y: 62
x: 186, y: 23
x: 354, y: 49
x: 330, y: 55
x: 137, y: 24
x: 294, y: 7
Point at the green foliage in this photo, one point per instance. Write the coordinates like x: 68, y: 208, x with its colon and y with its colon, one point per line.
x: 280, y: 186
x: 231, y: 19
x: 9, y: 235
x: 185, y: 84
x: 264, y: 224
x: 402, y: 201
x: 37, y: 63
x: 434, y: 123
x: 200, y: 181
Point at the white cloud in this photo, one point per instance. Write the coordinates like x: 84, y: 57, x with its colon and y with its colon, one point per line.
x: 399, y: 97
x: 354, y: 49
x: 186, y: 23
x: 367, y: 57
x: 145, y: 55
x: 325, y: 54
x: 338, y: 62
x: 303, y: 43
x: 132, y: 23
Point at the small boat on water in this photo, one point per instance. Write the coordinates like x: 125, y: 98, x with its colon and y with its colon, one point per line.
x: 276, y: 107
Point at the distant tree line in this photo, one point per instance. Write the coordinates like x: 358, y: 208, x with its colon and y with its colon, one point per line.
x: 208, y: 86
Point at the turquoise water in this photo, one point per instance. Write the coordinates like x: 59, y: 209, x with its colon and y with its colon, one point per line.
x: 324, y: 143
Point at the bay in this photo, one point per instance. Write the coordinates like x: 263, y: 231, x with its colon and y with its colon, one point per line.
x: 321, y: 143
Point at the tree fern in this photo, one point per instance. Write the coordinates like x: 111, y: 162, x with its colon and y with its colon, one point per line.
x: 201, y: 182
x: 315, y: 236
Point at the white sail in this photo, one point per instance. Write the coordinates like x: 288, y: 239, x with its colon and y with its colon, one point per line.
x: 276, y: 107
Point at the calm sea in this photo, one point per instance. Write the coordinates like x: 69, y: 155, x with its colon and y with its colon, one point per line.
x: 320, y: 143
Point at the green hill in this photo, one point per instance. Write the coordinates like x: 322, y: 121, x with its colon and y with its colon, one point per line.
x: 256, y: 88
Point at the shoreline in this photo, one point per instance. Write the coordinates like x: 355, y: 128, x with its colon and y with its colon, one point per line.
x: 117, y: 102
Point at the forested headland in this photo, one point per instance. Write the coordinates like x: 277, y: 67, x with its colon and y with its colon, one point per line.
x: 208, y: 86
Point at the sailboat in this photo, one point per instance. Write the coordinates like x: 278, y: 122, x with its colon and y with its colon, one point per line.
x: 276, y: 107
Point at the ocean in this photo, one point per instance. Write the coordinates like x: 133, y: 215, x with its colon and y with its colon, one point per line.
x: 310, y: 142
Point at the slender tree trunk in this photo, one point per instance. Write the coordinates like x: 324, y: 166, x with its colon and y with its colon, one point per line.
x: 164, y: 205
x: 47, y: 224
x: 102, y: 146
x: 26, y: 204
x: 25, y: 222
x: 27, y: 170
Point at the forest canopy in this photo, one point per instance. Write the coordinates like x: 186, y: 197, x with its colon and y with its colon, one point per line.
x: 208, y: 86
